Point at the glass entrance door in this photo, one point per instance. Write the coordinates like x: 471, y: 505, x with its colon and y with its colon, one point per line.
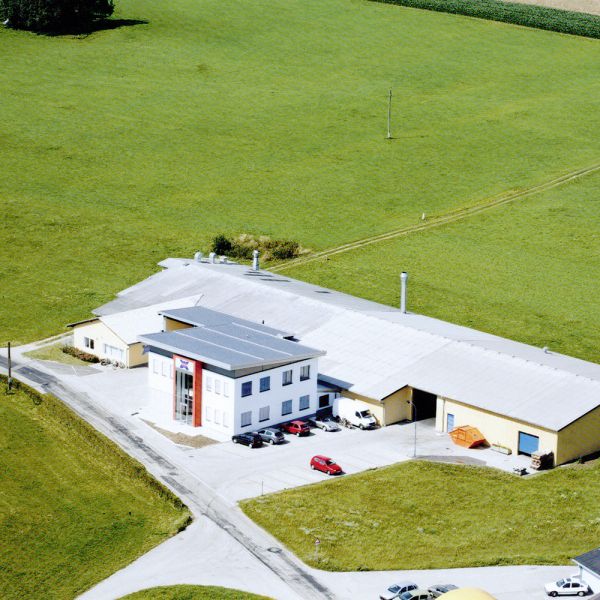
x: 184, y: 397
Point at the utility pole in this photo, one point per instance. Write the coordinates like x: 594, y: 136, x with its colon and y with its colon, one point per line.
x: 389, y: 133
x: 9, y: 369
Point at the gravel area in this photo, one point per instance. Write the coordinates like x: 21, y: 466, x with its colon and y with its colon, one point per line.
x: 586, y: 6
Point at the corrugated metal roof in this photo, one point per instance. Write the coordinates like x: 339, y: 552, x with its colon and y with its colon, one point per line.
x: 230, y: 343
x: 131, y: 323
x: 374, y: 350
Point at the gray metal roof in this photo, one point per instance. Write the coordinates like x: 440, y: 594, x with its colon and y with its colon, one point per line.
x: 374, y: 350
x: 204, y: 317
x: 229, y: 343
x: 590, y: 561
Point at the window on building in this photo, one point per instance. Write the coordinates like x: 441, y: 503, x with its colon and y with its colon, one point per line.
x: 304, y: 372
x: 164, y: 366
x: 286, y: 377
x: 114, y: 353
x: 209, y: 383
x: 226, y: 390
x: 246, y: 418
x: 155, y: 365
x: 263, y: 413
x: 88, y: 343
x: 247, y: 388
x: 217, y: 386
x: 217, y: 416
x: 324, y: 401
x: 209, y: 413
x: 286, y: 407
x: 265, y: 384
x: 304, y: 402
x: 225, y: 419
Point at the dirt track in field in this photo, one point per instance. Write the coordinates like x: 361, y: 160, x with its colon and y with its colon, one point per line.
x: 442, y: 219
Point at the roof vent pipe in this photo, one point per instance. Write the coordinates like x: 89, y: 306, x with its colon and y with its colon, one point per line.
x: 198, y: 257
x: 403, y: 281
x: 212, y: 258
x: 255, y: 266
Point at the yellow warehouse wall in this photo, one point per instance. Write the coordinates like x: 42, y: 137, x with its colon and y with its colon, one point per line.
x: 496, y: 429
x: 172, y: 325
x: 580, y: 438
x: 396, y: 406
x: 136, y: 356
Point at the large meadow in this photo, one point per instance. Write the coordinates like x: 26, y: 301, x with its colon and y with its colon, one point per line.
x: 136, y: 143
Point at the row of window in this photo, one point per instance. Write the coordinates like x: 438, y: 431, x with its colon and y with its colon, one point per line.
x: 264, y: 413
x: 217, y: 385
x: 109, y: 351
x: 217, y: 416
x: 287, y: 378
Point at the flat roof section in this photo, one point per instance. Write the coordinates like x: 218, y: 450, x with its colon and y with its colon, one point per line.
x: 230, y: 343
x: 590, y: 561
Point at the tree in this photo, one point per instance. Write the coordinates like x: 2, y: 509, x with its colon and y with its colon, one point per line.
x: 54, y: 16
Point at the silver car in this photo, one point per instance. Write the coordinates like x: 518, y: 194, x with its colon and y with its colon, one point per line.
x: 441, y: 588
x: 271, y: 436
x: 325, y: 423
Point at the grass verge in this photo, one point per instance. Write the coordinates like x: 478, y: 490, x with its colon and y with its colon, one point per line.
x: 421, y: 515
x: 192, y: 592
x: 54, y: 353
x: 74, y: 508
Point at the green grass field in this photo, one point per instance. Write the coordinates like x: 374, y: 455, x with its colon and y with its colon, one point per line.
x: 421, y: 515
x: 73, y: 508
x: 130, y: 145
x: 192, y: 592
x: 529, y: 270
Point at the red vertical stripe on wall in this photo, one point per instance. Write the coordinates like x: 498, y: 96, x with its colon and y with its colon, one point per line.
x: 174, y: 385
x: 197, y: 414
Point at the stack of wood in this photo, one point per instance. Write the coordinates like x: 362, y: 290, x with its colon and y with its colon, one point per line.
x: 542, y: 460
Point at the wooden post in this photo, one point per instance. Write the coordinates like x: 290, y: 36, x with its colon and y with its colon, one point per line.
x: 389, y: 119
x: 9, y: 369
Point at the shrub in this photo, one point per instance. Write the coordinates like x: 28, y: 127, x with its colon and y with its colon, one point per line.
x: 80, y: 354
x: 221, y: 245
x: 242, y: 247
x: 528, y: 15
x: 285, y: 249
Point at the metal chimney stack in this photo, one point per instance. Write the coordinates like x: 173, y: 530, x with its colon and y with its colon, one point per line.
x: 255, y: 266
x: 403, y: 281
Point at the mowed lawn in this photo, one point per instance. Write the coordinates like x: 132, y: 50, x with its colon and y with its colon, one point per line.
x: 421, y: 515
x: 133, y: 144
x: 192, y: 592
x: 529, y: 270
x: 73, y: 508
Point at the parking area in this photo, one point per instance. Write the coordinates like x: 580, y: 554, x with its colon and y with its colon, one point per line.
x: 236, y: 472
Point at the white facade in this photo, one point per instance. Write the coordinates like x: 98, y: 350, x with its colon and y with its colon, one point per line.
x: 160, y: 372
x: 235, y: 405
x: 96, y: 338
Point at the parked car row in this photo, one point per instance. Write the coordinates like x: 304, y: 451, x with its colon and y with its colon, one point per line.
x: 274, y: 435
x: 408, y: 590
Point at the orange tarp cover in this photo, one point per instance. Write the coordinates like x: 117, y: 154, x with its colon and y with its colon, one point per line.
x: 467, y: 436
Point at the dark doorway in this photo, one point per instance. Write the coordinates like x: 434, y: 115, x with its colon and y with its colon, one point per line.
x: 425, y: 404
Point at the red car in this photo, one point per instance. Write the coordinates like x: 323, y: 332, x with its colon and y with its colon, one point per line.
x: 297, y: 427
x: 325, y: 464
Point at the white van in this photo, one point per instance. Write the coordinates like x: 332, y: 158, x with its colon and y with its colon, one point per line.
x: 353, y: 413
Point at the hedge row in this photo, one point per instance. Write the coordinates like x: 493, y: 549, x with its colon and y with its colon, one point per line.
x: 528, y: 15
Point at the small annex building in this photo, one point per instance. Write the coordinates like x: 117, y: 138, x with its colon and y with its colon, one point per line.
x: 114, y: 337
x: 402, y: 365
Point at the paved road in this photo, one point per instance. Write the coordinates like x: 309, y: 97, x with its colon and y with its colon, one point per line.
x: 201, y: 500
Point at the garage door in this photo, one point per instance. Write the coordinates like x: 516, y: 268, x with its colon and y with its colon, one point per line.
x: 528, y: 444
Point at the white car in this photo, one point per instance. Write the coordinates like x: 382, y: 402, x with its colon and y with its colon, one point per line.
x: 396, y: 589
x: 570, y: 586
